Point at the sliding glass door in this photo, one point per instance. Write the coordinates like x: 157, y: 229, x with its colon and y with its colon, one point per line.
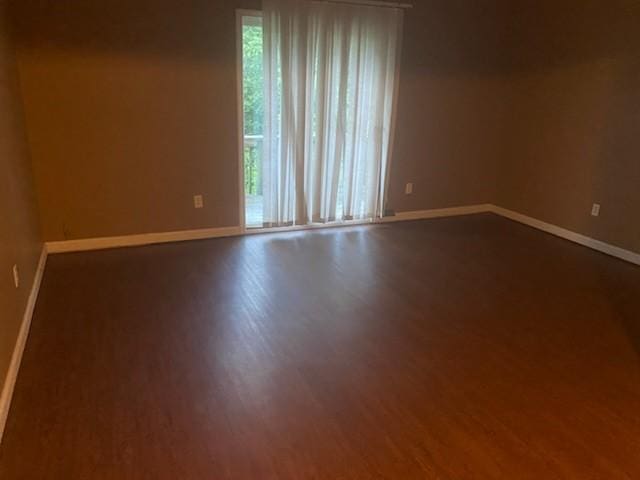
x: 318, y: 95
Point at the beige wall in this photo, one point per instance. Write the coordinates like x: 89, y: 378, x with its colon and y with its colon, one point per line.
x: 19, y: 236
x: 573, y: 120
x: 451, y: 106
x: 131, y: 109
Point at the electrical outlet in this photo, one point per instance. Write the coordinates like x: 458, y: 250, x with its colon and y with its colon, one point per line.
x: 197, y: 201
x: 408, y: 189
x: 16, y: 276
x: 595, y: 210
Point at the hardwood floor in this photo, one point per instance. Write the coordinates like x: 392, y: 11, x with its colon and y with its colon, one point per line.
x: 449, y: 349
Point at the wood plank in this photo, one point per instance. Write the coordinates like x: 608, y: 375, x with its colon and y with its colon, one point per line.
x: 461, y: 348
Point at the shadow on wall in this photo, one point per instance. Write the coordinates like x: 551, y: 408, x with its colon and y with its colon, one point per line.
x: 616, y: 181
x: 574, y: 106
x: 160, y: 27
x: 445, y: 36
x: 139, y: 110
x: 546, y: 33
x: 131, y: 110
x: 455, y: 37
x: 450, y: 105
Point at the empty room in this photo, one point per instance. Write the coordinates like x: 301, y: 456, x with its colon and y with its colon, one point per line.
x: 319, y: 239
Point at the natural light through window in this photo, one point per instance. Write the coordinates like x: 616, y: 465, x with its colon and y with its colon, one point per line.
x: 318, y: 95
x: 253, y: 111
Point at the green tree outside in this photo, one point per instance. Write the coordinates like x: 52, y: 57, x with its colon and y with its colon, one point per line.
x: 253, y: 94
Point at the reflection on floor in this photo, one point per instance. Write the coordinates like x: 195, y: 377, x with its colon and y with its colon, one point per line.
x: 464, y: 348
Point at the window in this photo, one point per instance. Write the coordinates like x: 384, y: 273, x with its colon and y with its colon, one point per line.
x: 253, y: 117
x: 319, y: 84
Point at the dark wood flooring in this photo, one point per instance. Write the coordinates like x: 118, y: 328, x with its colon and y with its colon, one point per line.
x: 451, y: 349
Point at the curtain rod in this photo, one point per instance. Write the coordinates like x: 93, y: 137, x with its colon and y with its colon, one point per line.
x: 370, y: 3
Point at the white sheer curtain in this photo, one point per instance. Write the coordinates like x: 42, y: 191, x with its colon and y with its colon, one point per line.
x: 330, y: 74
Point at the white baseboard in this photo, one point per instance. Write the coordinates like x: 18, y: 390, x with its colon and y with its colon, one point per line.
x: 18, y: 349
x: 165, y: 237
x: 141, y: 239
x: 147, y: 239
x: 65, y: 246
x: 603, y: 247
x: 440, y: 212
